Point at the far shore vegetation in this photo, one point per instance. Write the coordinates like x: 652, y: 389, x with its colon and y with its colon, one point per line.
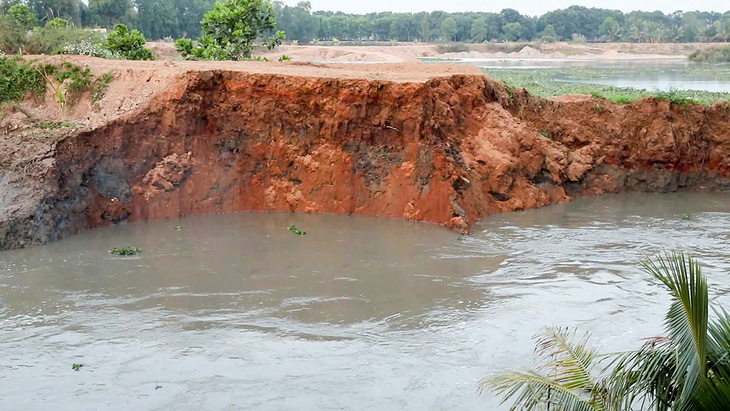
x: 711, y: 55
x: 552, y: 82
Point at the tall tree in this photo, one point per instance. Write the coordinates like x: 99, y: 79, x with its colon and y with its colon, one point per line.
x: 448, y: 29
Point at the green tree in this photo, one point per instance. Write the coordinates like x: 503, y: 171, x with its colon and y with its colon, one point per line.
x: 479, y: 30
x: 109, y: 13
x: 23, y: 16
x: 512, y: 31
x: 127, y: 43
x: 610, y: 29
x: 448, y: 29
x: 549, y: 35
x: 688, y: 369
x: 158, y: 18
x: 231, y: 30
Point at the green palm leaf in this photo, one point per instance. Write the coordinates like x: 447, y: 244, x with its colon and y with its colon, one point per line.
x: 564, y: 381
x: 686, y: 320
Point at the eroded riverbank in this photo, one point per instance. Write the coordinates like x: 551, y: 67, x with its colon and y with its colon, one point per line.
x: 434, y: 143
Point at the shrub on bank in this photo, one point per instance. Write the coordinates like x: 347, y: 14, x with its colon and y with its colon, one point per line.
x: 711, y: 55
x: 17, y: 77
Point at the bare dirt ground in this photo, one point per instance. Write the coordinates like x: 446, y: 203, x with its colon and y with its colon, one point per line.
x: 412, y: 52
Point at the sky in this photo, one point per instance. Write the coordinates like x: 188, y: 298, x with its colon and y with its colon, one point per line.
x: 527, y: 7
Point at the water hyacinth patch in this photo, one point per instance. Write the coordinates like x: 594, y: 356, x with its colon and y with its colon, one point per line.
x: 295, y: 230
x: 124, y: 251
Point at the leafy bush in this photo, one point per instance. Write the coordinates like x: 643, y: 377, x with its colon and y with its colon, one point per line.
x: 12, y: 36
x: 52, y: 39
x: 57, y: 23
x: 711, y: 55
x: 18, y: 77
x: 231, y: 30
x: 22, y: 15
x: 128, y: 43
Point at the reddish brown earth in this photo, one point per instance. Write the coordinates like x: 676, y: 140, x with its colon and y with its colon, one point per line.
x: 441, y: 144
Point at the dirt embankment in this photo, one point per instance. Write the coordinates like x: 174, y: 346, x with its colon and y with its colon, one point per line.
x: 441, y: 144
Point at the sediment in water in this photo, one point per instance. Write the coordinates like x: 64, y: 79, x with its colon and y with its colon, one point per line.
x: 175, y: 139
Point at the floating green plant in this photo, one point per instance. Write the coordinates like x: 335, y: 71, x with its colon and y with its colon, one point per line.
x: 125, y: 251
x: 77, y: 367
x: 295, y: 230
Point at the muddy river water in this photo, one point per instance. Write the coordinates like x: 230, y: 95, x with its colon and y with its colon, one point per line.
x: 237, y: 312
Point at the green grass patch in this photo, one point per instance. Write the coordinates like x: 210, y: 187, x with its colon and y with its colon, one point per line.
x: 552, y: 82
x: 18, y: 77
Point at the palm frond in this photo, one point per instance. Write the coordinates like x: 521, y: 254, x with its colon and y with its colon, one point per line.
x: 569, y: 360
x: 533, y: 391
x: 645, y: 376
x: 686, y: 320
x: 564, y: 379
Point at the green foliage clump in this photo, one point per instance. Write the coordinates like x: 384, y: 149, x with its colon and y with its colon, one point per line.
x: 57, y: 23
x: 17, y: 77
x: 295, y: 230
x: 231, y: 31
x: 124, y: 251
x: 22, y: 15
x: 711, y: 55
x: 686, y: 369
x: 76, y: 367
x: 79, y: 79
x: 128, y: 43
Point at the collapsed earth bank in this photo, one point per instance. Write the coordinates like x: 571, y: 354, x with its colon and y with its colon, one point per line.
x: 429, y: 143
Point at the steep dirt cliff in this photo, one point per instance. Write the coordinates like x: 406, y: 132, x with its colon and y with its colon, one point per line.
x: 441, y: 144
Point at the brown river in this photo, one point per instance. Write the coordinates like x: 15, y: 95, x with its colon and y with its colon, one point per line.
x: 237, y: 312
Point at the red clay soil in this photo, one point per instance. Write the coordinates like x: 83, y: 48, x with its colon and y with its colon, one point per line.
x: 442, y: 144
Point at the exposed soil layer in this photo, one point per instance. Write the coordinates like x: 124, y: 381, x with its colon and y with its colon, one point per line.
x: 441, y: 144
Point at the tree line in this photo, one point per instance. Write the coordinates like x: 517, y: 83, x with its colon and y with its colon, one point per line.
x: 158, y: 19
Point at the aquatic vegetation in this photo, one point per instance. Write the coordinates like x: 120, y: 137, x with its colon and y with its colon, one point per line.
x: 688, y: 368
x: 77, y: 367
x: 295, y: 230
x: 552, y: 82
x: 127, y: 250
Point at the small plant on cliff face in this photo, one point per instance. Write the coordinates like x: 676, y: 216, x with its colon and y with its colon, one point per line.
x: 77, y: 367
x: 231, y: 30
x: 102, y: 84
x: 127, y: 250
